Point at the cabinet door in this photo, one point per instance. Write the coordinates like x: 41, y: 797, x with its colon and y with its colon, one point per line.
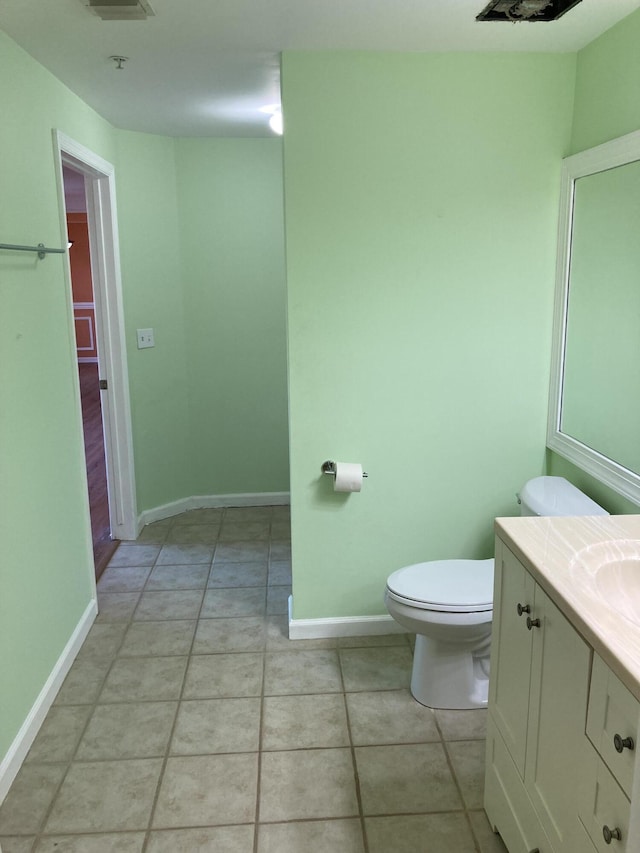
x: 507, y: 803
x: 557, y: 747
x: 511, y: 648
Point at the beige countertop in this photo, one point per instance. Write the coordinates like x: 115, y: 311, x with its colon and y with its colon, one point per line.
x: 563, y: 554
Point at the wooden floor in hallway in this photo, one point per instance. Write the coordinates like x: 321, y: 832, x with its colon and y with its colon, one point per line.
x: 103, y: 545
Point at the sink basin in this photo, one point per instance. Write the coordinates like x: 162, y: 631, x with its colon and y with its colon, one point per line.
x: 611, y: 573
x: 619, y: 585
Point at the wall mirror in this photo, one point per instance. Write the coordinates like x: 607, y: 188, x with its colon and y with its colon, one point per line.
x: 594, y: 404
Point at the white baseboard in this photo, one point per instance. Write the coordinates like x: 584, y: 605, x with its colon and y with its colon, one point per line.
x: 21, y: 745
x: 341, y: 626
x: 211, y: 501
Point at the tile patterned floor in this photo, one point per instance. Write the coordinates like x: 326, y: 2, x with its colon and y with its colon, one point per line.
x: 189, y: 722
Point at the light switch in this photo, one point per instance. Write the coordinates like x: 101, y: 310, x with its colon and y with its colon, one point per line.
x: 145, y: 338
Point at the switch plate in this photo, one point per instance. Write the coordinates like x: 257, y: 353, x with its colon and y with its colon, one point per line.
x: 145, y: 338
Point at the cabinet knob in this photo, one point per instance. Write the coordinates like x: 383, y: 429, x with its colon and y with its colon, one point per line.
x: 610, y: 834
x: 621, y: 743
x: 532, y: 623
x: 523, y: 608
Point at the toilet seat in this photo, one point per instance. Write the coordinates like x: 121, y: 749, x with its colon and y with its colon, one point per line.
x: 455, y: 586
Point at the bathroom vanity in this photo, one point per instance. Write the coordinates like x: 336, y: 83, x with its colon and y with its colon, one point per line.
x: 562, y: 771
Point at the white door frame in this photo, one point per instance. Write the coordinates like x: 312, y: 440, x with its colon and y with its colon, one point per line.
x: 107, y: 285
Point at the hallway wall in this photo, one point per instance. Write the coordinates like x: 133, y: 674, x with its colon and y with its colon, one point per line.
x: 153, y: 297
x: 46, y: 560
x: 230, y: 208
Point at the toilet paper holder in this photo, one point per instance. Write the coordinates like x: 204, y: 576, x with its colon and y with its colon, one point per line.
x: 329, y: 467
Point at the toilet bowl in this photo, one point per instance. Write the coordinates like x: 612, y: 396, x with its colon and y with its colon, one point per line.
x: 448, y: 604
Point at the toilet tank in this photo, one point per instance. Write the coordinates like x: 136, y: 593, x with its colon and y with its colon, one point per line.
x: 555, y: 496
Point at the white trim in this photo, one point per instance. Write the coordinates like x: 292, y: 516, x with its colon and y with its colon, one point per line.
x: 341, y: 626
x: 86, y: 306
x: 21, y: 745
x: 92, y: 347
x: 109, y: 324
x: 208, y: 501
x: 617, y: 152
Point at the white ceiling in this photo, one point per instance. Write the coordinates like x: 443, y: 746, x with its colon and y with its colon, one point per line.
x: 206, y: 67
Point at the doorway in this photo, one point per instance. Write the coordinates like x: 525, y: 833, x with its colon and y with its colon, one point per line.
x: 86, y: 181
x: 88, y: 359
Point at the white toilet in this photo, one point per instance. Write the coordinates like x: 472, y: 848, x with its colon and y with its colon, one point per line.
x: 448, y: 604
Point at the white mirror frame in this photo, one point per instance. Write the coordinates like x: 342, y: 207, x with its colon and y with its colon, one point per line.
x: 618, y: 152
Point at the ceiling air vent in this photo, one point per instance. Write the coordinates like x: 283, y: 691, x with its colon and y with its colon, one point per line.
x: 120, y: 10
x: 525, y: 10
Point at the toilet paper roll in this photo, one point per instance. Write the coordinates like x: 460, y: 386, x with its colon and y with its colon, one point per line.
x: 348, y: 477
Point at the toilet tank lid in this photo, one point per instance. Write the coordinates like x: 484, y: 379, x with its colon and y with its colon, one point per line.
x: 557, y: 496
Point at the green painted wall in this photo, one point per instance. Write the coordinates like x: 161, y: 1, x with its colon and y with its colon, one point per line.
x: 607, y: 99
x: 153, y: 298
x: 610, y: 500
x: 421, y: 200
x: 202, y: 246
x: 46, y: 560
x: 45, y: 546
x: 607, y: 105
x: 232, y: 226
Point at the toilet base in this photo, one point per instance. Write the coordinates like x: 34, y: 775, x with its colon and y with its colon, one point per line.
x: 449, y: 677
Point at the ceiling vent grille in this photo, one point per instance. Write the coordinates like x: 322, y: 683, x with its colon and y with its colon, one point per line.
x: 120, y: 10
x: 525, y: 10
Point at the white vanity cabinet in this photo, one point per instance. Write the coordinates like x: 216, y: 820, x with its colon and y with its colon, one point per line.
x: 537, y: 751
x: 563, y: 745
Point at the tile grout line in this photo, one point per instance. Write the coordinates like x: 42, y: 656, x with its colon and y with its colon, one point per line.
x: 41, y: 830
x: 356, y: 774
x: 147, y: 832
x: 167, y: 755
x: 265, y: 639
x: 181, y: 699
x: 456, y: 781
x: 256, y: 822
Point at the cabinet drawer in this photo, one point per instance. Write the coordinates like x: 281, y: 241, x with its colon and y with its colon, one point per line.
x: 612, y: 718
x: 605, y: 805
